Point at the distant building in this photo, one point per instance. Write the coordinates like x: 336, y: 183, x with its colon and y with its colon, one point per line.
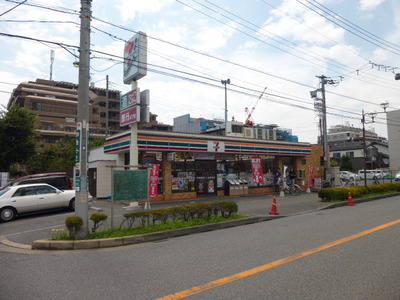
x: 154, y: 124
x: 348, y: 140
x: 56, y: 105
x: 186, y: 124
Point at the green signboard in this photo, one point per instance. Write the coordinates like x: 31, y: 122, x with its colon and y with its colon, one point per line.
x: 130, y: 185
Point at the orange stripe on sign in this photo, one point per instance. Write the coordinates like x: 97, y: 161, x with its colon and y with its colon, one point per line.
x: 168, y: 139
x: 244, y: 274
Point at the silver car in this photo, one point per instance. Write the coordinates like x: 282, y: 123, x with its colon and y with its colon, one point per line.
x: 346, y: 175
x: 27, y: 198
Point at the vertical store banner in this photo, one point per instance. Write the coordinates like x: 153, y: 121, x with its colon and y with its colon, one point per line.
x: 311, y: 176
x: 256, y: 168
x: 153, y: 184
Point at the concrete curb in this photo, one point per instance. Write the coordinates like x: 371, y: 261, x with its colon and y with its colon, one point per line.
x: 4, y: 241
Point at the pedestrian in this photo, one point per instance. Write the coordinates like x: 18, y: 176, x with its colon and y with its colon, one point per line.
x: 292, y: 176
x: 277, y: 179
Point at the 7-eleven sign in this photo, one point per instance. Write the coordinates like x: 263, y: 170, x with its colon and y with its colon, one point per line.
x: 216, y: 147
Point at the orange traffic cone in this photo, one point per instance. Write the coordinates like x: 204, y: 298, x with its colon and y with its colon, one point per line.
x: 350, y: 200
x: 274, y: 208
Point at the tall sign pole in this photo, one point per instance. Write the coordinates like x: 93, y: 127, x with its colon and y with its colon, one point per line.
x: 135, y: 67
x: 82, y: 130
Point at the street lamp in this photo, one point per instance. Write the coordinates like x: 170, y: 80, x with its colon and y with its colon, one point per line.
x: 225, y: 82
x: 372, y: 115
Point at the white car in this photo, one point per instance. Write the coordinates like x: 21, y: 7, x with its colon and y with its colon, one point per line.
x: 347, y: 175
x: 27, y: 198
x: 397, y: 177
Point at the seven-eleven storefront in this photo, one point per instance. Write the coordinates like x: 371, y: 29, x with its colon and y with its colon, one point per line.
x: 196, y: 165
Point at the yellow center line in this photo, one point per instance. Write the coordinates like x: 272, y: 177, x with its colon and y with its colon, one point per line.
x: 247, y: 273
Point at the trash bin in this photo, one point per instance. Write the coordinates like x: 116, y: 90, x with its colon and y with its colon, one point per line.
x: 236, y: 187
x: 245, y: 187
x: 230, y: 188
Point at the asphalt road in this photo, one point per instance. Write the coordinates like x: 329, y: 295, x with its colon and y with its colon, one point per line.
x: 349, y: 252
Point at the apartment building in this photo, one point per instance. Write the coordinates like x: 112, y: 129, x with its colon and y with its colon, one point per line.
x: 348, y: 140
x: 56, y: 105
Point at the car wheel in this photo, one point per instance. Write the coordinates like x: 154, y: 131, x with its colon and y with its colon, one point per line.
x: 72, y: 204
x: 7, y: 214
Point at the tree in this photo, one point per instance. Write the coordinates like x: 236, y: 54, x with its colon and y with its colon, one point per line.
x: 17, y: 136
x: 55, y: 157
x: 96, y: 143
x: 346, y: 163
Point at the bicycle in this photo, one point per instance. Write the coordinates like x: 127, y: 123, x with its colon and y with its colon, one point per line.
x: 376, y: 180
x: 328, y: 183
x: 346, y: 182
x: 293, y: 189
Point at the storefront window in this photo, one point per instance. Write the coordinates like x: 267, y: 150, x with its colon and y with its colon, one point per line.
x: 183, y: 176
x: 244, y: 168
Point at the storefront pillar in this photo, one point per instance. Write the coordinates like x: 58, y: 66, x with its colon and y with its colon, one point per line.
x: 167, y: 178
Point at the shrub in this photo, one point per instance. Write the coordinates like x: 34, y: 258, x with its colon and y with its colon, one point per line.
x: 179, y: 213
x: 215, y: 208
x: 341, y: 194
x: 73, y: 223
x: 203, y: 210
x: 129, y: 218
x: 228, y: 207
x: 184, y: 212
x: 160, y: 215
x: 98, y: 219
x: 144, y: 217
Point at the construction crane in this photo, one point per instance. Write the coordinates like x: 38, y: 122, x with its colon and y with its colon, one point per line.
x: 249, y: 120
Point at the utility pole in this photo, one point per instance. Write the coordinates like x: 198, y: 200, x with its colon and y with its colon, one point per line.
x: 82, y: 130
x: 324, y: 124
x: 225, y: 82
x: 107, y: 108
x: 51, y: 64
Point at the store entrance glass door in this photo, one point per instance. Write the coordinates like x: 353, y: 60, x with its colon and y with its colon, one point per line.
x: 206, y: 177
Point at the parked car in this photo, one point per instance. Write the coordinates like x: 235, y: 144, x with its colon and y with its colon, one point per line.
x: 397, y: 176
x: 59, y: 180
x: 371, y: 174
x: 27, y: 198
x: 347, y: 175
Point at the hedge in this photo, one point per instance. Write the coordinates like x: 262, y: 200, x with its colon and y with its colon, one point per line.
x: 341, y: 193
x: 183, y: 212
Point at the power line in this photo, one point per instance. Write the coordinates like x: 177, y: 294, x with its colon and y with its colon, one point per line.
x: 13, y: 8
x: 353, y: 25
x: 60, y: 44
x: 372, y: 41
x: 182, y: 77
x: 185, y: 48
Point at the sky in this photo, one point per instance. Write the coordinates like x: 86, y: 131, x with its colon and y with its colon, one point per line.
x: 282, y: 47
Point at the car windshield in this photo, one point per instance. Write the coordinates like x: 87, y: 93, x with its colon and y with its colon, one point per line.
x: 2, y: 192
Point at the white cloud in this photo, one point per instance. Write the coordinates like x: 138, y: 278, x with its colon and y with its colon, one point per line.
x: 370, y: 4
x: 129, y: 9
x: 213, y: 37
x: 294, y: 21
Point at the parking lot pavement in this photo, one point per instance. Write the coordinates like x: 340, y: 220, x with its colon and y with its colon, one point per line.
x: 251, y: 205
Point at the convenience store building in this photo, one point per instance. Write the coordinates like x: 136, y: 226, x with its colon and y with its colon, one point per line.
x: 198, y: 165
